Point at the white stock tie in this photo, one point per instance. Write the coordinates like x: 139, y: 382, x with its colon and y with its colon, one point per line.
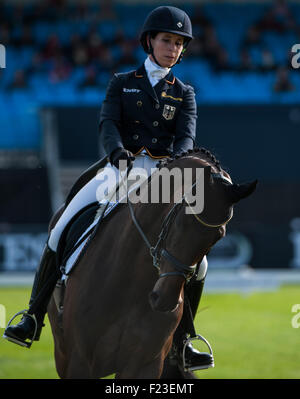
x: 158, y: 74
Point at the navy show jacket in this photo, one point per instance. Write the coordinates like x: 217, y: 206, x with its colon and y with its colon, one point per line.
x: 159, y: 119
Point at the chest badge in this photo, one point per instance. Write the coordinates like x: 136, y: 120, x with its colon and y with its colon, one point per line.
x: 169, y: 112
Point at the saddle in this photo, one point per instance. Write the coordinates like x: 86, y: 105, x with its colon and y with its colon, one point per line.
x: 82, y: 226
x: 78, y: 231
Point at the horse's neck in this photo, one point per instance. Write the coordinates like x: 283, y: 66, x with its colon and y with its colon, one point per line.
x: 151, y: 215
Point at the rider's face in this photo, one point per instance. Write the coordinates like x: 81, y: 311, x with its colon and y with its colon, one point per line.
x: 167, y: 48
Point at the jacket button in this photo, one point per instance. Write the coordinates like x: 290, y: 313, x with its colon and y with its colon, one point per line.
x: 157, y: 106
x: 139, y: 103
x: 154, y: 140
x: 155, y: 123
x: 135, y: 136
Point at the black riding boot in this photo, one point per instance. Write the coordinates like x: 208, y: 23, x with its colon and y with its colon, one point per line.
x: 29, y: 328
x: 186, y: 354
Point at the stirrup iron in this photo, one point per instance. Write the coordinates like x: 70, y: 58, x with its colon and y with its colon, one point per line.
x: 21, y: 342
x: 186, y: 342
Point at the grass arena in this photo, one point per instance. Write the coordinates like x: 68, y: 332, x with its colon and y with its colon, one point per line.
x: 255, y: 335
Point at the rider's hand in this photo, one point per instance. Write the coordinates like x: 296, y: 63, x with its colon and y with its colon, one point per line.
x: 120, y: 154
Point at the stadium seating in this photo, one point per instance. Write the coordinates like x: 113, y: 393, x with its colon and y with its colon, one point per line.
x: 230, y: 21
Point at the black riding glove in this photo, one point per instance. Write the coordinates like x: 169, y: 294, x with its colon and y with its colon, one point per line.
x: 120, y: 154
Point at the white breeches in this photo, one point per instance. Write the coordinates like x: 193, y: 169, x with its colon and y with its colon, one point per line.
x: 93, y: 192
x: 202, y: 269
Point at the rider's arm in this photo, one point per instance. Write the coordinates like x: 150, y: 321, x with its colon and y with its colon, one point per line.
x: 186, y: 123
x: 110, y: 116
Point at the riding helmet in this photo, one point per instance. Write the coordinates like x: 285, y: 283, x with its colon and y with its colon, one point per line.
x: 167, y: 19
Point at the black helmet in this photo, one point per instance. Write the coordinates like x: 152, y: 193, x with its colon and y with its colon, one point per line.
x: 167, y: 19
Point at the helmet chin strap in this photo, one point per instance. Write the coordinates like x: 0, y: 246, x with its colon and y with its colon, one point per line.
x: 153, y: 56
x: 155, y: 59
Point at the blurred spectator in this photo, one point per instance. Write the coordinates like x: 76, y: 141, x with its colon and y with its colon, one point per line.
x: 26, y: 37
x: 282, y: 82
x: 41, y: 12
x: 246, y: 63
x: 119, y: 37
x: 18, y: 14
x: 267, y: 60
x: 19, y: 81
x: 5, y: 34
x: 107, y: 12
x: 94, y: 45
x: 80, y: 10
x: 37, y: 64
x: 77, y: 51
x: 278, y: 17
x: 195, y: 48
x: 199, y: 19
x: 268, y: 22
x: 60, y: 70
x: 90, y: 79
x: 253, y: 36
x: 106, y: 60
x: 80, y: 55
x: 283, y: 14
x: 58, y: 8
x: 211, y: 45
x: 222, y: 61
x: 52, y: 47
x: 127, y: 56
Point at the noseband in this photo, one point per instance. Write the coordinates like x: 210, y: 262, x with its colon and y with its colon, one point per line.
x: 157, y: 251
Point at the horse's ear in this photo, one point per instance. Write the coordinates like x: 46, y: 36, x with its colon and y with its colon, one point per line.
x: 237, y: 192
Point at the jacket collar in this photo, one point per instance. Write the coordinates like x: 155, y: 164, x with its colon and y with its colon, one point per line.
x: 154, y: 71
x: 144, y: 83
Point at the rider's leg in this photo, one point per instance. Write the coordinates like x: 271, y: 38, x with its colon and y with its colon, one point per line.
x: 47, y: 272
x: 43, y: 285
x: 194, y: 359
x: 87, y: 195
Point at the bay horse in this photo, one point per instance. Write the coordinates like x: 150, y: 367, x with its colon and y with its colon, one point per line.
x: 119, y: 311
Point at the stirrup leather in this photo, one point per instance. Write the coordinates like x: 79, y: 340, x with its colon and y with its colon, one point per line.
x: 186, y: 342
x: 26, y: 343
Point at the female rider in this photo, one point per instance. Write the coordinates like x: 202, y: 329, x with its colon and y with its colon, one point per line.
x: 147, y: 114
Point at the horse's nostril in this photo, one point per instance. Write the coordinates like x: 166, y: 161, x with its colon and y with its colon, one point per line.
x: 153, y: 296
x: 153, y: 300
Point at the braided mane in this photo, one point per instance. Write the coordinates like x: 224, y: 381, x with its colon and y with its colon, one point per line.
x: 206, y: 155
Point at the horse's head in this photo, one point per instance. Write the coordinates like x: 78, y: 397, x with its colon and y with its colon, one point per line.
x: 190, y: 235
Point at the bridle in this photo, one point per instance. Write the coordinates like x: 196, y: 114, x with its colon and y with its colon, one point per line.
x: 157, y: 251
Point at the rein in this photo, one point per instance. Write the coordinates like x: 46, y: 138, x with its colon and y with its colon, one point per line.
x: 157, y: 251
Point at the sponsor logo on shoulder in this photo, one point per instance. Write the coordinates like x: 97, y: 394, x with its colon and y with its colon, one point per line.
x: 131, y: 90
